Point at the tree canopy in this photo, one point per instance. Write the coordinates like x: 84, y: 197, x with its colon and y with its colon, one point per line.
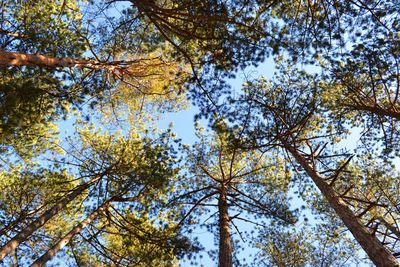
x: 300, y: 165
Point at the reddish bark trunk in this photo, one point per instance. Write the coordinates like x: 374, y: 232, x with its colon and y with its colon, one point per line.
x: 19, y: 59
x: 68, y: 237
x: 390, y: 112
x: 372, y: 246
x: 133, y: 67
x: 225, y: 239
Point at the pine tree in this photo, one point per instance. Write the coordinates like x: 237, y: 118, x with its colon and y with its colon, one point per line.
x: 234, y: 185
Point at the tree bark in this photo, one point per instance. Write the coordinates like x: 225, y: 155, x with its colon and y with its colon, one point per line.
x: 39, y: 222
x: 377, y: 252
x: 133, y: 67
x: 225, y: 239
x: 376, y: 109
x: 68, y: 237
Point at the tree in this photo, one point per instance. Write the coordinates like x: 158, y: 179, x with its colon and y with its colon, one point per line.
x: 51, y: 82
x: 356, y: 48
x: 67, y: 238
x: 222, y: 177
x: 302, y: 131
x: 131, y: 239
x: 69, y: 58
x: 117, y: 169
x: 355, y: 44
x: 107, y: 51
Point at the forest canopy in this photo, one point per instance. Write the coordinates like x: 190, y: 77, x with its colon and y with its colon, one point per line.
x: 294, y: 164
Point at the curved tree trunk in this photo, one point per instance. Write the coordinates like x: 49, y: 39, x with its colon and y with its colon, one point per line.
x: 68, y: 237
x: 39, y: 222
x: 225, y: 240
x: 377, y: 252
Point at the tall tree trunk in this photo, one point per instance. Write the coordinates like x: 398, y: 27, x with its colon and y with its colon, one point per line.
x: 377, y: 252
x: 225, y: 239
x: 134, y: 67
x: 39, y: 222
x: 68, y: 237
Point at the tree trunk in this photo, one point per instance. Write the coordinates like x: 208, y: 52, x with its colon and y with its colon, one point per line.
x: 377, y: 252
x: 133, y: 68
x: 68, y: 237
x: 225, y: 240
x: 15, y: 259
x: 376, y: 109
x: 39, y: 222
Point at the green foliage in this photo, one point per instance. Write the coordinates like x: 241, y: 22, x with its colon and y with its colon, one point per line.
x: 28, y: 112
x: 137, y: 171
x: 132, y: 239
x: 324, y: 244
x: 46, y: 27
x: 32, y: 99
x: 27, y: 188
